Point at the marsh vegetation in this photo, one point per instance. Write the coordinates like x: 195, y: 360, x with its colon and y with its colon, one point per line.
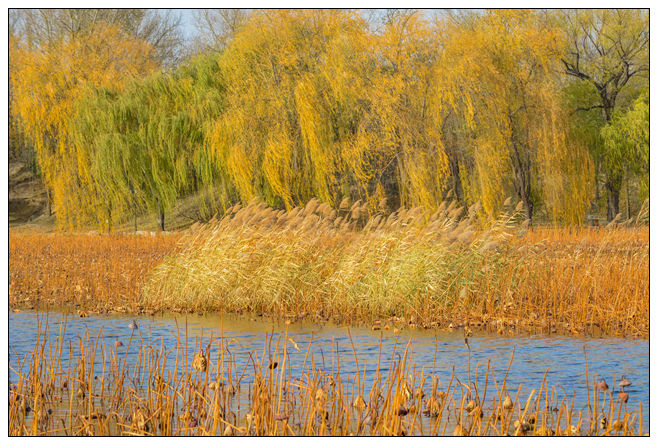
x: 125, y: 380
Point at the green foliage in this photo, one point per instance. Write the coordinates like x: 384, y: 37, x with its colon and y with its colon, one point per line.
x: 148, y: 139
x: 626, y: 140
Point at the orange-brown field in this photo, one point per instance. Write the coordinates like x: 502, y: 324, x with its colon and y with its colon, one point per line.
x: 85, y: 271
x: 408, y: 270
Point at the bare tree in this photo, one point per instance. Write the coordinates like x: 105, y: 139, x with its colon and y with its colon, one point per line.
x: 161, y: 28
x: 216, y: 27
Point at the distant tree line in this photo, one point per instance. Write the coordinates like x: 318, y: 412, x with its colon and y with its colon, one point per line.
x: 393, y: 108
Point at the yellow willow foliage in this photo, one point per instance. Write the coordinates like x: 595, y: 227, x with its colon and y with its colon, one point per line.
x: 275, y: 136
x: 319, y: 106
x: 412, y: 118
x: 278, y: 151
x: 47, y: 82
x: 315, y: 117
x: 493, y: 170
x: 567, y: 172
x: 498, y: 72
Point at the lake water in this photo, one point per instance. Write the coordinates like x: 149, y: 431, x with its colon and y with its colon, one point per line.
x: 435, y: 352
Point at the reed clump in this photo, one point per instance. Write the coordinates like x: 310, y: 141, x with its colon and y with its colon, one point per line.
x: 86, y: 388
x: 403, y: 270
x: 412, y: 268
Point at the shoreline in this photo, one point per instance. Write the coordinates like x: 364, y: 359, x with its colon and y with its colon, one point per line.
x: 384, y: 324
x: 404, y: 275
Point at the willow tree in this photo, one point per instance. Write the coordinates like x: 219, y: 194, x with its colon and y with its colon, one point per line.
x: 407, y: 111
x: 626, y: 141
x: 46, y: 83
x: 291, y: 106
x: 608, y: 53
x: 148, y: 138
x: 497, y: 71
x: 159, y: 28
x: 318, y: 105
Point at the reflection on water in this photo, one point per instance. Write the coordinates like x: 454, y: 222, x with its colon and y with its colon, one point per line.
x: 433, y: 352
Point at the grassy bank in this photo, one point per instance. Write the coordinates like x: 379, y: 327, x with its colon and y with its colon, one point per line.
x: 410, y: 269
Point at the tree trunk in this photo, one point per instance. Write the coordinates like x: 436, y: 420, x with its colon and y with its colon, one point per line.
x: 109, y: 219
x: 457, y: 181
x: 132, y: 192
x: 161, y: 217
x: 628, y: 200
x: 613, y: 199
x: 597, y: 192
x: 48, y: 206
x: 391, y: 184
x: 521, y: 168
x: 528, y: 206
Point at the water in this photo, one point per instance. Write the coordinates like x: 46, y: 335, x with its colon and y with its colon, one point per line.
x: 434, y: 352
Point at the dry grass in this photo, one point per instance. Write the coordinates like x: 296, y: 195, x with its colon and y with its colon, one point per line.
x: 585, y: 278
x: 413, y: 268
x: 409, y: 268
x: 164, y: 391
x: 88, y: 271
